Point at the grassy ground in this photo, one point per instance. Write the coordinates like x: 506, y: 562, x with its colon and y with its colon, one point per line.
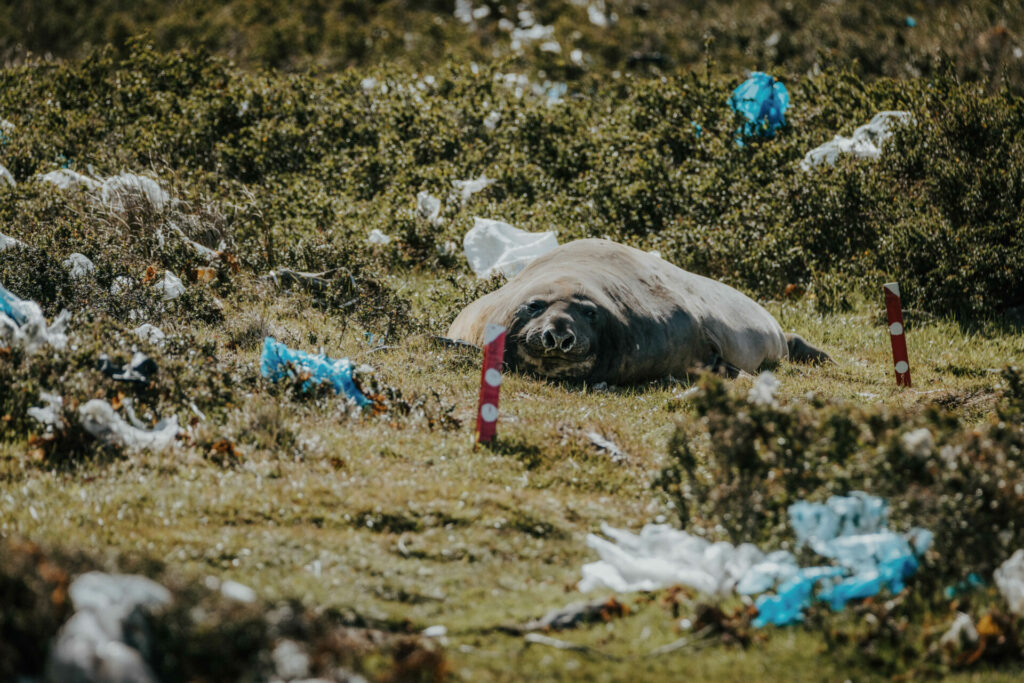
x: 403, y: 524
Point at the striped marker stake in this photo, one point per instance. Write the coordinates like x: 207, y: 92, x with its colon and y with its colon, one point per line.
x: 490, y: 383
x: 894, y: 309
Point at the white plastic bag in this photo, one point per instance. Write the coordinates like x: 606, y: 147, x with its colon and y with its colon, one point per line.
x: 866, y: 141
x: 496, y: 247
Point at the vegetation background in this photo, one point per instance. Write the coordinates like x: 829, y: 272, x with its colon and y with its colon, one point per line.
x: 288, y: 134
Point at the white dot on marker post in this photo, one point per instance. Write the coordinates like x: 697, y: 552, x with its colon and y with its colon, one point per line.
x: 902, y: 367
x: 895, y: 329
x: 493, y: 377
x: 489, y: 412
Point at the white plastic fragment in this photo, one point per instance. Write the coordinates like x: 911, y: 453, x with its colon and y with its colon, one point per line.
x: 79, y: 265
x: 238, y: 592
x: 8, y: 242
x: 49, y: 414
x: 468, y: 188
x: 918, y: 442
x: 1009, y: 577
x: 377, y: 237
x: 464, y: 11
x: 961, y: 633
x: 66, y: 179
x: 149, y: 333
x: 496, y: 247
x: 436, y: 631
x: 614, y: 452
x: 200, y: 249
x: 120, y: 284
x: 6, y: 176
x: 101, y: 420
x: 429, y: 207
x: 865, y: 143
x: 171, y: 286
x: 22, y: 322
x: 291, y: 662
x: 120, y: 191
x: 765, y: 387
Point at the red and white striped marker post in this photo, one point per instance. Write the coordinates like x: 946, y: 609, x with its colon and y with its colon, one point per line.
x: 490, y: 383
x: 899, y: 341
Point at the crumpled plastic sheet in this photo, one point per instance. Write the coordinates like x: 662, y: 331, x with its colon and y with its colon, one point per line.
x: 66, y: 179
x: 171, y: 286
x: 429, y: 207
x: 22, y: 322
x: 79, y: 265
x: 150, y: 333
x: 121, y: 190
x: 200, y: 249
x: 278, y: 362
x: 378, y: 237
x: 495, y: 247
x: 7, y: 242
x: 865, y: 143
x: 762, y: 100
x: 100, y: 419
x: 850, y: 530
x: 467, y: 188
x: 1009, y: 577
x: 48, y: 414
x: 140, y: 369
x: 6, y: 177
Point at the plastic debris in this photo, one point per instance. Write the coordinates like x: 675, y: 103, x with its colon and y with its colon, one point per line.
x: 1009, y: 577
x: 436, y: 631
x: 171, y: 286
x: 495, y: 247
x: 468, y: 188
x: 962, y: 633
x: 850, y: 530
x: 865, y: 143
x: 79, y: 265
x: 428, y: 206
x: 8, y: 242
x: 910, y: 21
x: 278, y: 362
x: 49, y: 414
x: 285, y: 278
x: 120, y: 284
x: 150, y: 333
x: 140, y: 369
x: 101, y: 420
x: 609, y: 447
x: 121, y: 191
x: 6, y: 177
x: 765, y: 387
x: 377, y: 237
x: 22, y: 322
x: 66, y: 179
x: 108, y: 637
x: 762, y: 100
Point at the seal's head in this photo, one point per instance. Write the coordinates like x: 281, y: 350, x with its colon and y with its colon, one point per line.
x: 557, y: 335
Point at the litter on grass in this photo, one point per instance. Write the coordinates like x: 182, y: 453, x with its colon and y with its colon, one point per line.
x: 101, y: 420
x: 79, y: 265
x: 278, y: 362
x: 22, y: 322
x: 140, y: 369
x: 850, y: 530
x: 377, y: 237
x: 865, y: 143
x: 119, y: 192
x: 66, y: 179
x: 171, y: 286
x: 762, y: 100
x: 1009, y: 577
x: 200, y: 249
x: 6, y: 177
x: 429, y: 207
x: 150, y: 333
x: 48, y: 414
x: 495, y: 247
x: 8, y: 242
x: 467, y: 188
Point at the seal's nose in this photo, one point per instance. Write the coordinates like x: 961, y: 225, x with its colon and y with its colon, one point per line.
x: 554, y: 339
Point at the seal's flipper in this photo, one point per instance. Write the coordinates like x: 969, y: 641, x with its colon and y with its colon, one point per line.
x: 802, y: 352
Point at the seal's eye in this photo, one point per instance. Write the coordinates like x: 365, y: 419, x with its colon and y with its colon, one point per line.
x: 535, y: 307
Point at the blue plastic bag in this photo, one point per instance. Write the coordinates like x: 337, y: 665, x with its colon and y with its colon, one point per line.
x: 10, y: 306
x: 278, y: 362
x: 762, y: 100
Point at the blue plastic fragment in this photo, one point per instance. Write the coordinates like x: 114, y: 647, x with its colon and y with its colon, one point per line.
x: 278, y: 362
x: 9, y: 306
x: 698, y: 131
x: 792, y: 597
x: 911, y: 22
x: 762, y: 100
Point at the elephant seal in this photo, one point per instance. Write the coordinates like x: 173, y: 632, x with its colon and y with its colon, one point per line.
x: 597, y: 311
